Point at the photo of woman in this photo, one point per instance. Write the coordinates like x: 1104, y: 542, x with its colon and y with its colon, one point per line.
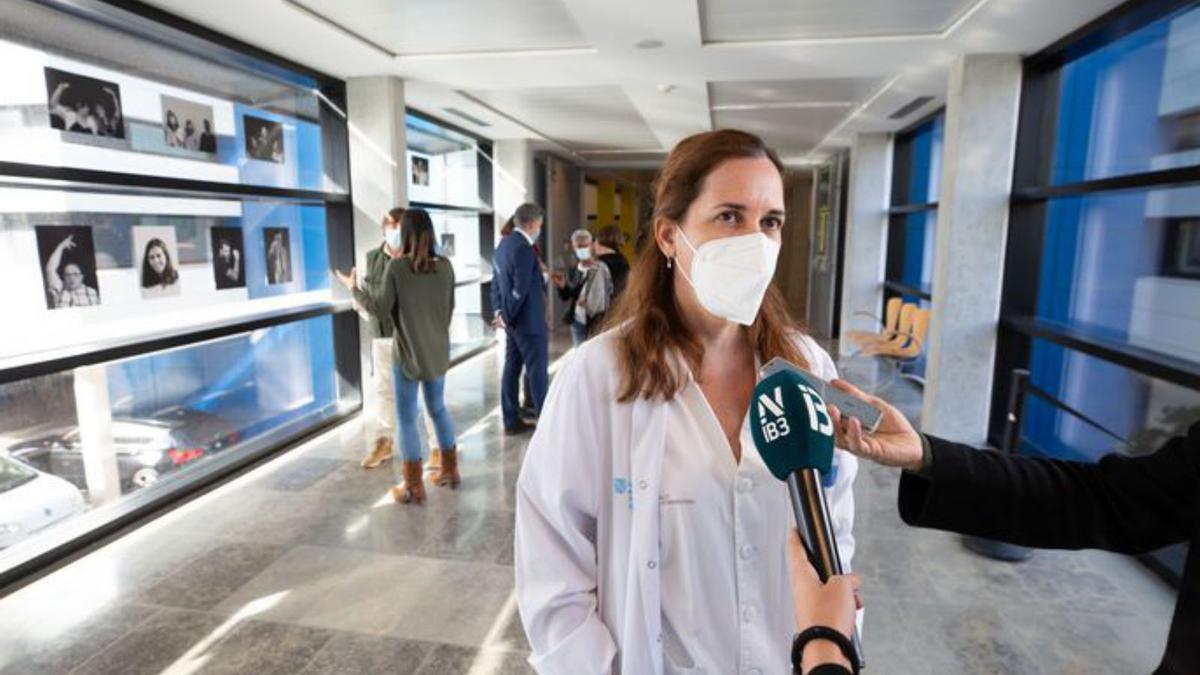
x: 279, y: 255
x: 156, y: 256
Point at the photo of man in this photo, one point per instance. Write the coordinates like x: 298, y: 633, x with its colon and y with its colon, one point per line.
x: 229, y: 263
x: 188, y: 125
x: 84, y: 105
x: 420, y: 170
x: 277, y: 243
x: 67, y: 257
x: 264, y: 139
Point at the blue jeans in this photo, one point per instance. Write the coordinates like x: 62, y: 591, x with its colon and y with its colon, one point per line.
x: 579, y: 333
x: 406, y: 414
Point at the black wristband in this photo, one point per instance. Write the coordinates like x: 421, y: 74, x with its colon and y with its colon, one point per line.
x: 822, y: 633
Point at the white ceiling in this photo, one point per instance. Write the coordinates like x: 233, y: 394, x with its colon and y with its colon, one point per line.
x: 806, y: 74
x: 737, y: 20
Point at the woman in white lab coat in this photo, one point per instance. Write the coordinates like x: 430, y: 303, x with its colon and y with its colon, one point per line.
x: 650, y: 537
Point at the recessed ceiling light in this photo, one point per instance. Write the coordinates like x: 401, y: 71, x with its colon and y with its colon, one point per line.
x: 648, y: 43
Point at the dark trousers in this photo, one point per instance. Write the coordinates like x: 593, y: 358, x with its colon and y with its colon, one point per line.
x: 531, y: 353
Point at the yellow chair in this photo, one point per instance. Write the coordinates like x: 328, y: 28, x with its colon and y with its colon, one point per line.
x: 908, y: 346
x: 890, y: 324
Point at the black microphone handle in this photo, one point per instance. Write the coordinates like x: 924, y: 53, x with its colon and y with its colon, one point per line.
x: 816, y: 531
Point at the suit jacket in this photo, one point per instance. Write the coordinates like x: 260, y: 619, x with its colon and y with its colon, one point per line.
x: 1122, y: 504
x: 519, y: 286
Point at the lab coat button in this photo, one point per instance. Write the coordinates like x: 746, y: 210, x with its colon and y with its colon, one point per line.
x: 748, y: 614
x: 651, y: 564
x: 643, y: 485
x: 744, y: 484
x: 747, y: 552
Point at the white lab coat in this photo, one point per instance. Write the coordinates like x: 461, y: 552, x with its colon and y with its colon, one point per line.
x: 587, y: 528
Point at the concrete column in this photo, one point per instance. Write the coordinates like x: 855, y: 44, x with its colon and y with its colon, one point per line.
x: 379, y: 180
x: 378, y: 155
x: 94, y: 412
x: 977, y: 167
x: 866, y: 234
x: 512, y: 176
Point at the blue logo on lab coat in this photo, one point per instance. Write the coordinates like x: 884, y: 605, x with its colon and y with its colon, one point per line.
x: 621, y: 486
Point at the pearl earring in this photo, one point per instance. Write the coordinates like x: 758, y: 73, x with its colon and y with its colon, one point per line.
x: 670, y: 262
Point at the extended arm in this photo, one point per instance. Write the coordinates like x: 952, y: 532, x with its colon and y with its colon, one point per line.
x: 1123, y: 504
x: 53, y: 281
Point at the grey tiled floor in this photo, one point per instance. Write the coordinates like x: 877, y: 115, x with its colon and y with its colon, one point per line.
x: 305, y: 566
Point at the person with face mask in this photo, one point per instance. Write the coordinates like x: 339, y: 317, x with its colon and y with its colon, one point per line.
x: 651, y: 537
x: 587, y: 289
x: 366, y: 298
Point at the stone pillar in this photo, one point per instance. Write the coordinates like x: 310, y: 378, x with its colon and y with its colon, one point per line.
x: 379, y: 180
x: 94, y: 413
x: 866, y: 234
x: 512, y: 176
x: 977, y: 168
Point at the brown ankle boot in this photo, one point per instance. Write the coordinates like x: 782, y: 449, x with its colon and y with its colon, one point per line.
x: 447, y: 473
x: 412, y: 490
x: 435, y: 460
x: 381, y: 453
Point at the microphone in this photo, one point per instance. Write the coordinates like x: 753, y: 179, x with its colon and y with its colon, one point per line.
x: 793, y: 432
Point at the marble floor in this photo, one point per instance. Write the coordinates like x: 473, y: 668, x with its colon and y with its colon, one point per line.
x: 304, y: 565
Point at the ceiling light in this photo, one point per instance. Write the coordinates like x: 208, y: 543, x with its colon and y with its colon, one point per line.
x: 648, y: 43
x: 666, y: 88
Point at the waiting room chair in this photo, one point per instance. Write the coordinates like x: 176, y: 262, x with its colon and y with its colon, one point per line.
x: 889, y: 324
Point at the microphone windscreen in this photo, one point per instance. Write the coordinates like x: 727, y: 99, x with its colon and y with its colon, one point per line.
x: 791, y: 425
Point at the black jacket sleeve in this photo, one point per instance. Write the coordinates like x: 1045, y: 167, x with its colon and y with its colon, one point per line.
x: 1122, y: 504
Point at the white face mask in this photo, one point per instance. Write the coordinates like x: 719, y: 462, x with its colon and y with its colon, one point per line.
x: 731, y: 274
x: 392, y: 237
x: 583, y: 254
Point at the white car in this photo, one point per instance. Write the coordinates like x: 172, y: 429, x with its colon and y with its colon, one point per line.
x: 31, y: 500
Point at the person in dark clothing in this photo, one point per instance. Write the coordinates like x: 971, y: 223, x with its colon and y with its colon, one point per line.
x: 521, y: 294
x: 1122, y: 504
x: 527, y: 412
x: 608, y: 251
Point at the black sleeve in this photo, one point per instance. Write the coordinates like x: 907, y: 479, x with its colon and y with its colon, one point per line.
x: 1122, y: 504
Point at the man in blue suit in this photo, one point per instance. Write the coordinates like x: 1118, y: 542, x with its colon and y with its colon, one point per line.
x: 521, y: 295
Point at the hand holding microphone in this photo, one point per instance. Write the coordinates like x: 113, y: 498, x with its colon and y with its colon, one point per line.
x: 793, y: 431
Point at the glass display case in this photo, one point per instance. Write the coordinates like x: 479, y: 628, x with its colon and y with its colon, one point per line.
x: 171, y: 204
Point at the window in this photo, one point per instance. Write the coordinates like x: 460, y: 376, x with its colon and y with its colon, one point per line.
x: 172, y: 204
x: 1101, y: 293
x: 916, y: 175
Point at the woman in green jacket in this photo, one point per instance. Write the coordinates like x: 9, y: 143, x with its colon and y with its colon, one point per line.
x: 418, y: 295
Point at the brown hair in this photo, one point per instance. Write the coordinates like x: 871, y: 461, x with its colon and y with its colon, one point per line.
x: 418, y: 240
x: 653, y: 334
x: 610, y: 236
x: 508, y: 227
x: 396, y: 214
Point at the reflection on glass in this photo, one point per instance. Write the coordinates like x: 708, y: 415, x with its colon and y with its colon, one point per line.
x: 1131, y: 106
x: 1119, y: 264
x: 1141, y: 410
x: 169, y: 412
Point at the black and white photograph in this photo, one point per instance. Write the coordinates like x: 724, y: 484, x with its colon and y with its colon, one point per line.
x: 278, y: 245
x: 156, y: 256
x: 420, y: 170
x: 264, y: 139
x: 67, y: 258
x: 84, y: 105
x: 229, y: 262
x: 188, y: 125
x: 447, y: 245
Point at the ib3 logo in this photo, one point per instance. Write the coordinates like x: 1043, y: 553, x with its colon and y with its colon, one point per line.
x: 774, y: 421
